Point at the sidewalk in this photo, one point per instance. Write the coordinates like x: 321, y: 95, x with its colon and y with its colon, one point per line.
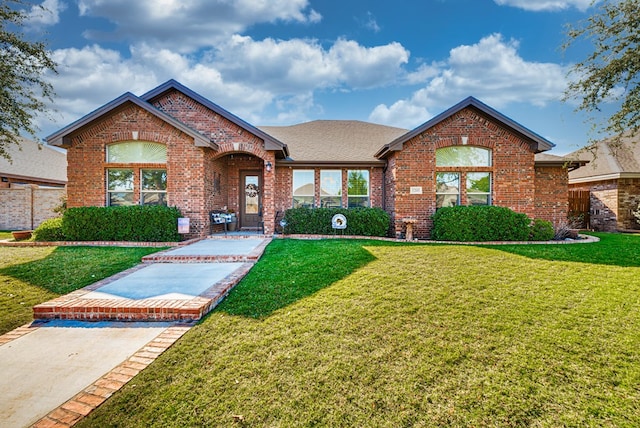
x: 58, y: 369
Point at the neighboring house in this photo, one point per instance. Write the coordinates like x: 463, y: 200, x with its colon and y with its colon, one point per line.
x: 32, y: 184
x: 33, y: 163
x: 175, y: 147
x: 613, y: 180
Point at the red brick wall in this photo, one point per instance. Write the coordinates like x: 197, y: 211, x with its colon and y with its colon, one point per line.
x: 552, y: 194
x: 87, y: 162
x: 512, y: 171
x: 232, y: 140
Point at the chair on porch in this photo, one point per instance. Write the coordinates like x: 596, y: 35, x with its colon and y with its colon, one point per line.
x: 217, y: 217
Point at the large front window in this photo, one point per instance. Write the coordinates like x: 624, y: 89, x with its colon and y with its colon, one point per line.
x: 331, y: 188
x: 447, y: 189
x: 464, y: 176
x: 303, y: 188
x: 136, y: 173
x: 478, y: 188
x: 119, y: 187
x: 358, y: 188
x: 154, y: 186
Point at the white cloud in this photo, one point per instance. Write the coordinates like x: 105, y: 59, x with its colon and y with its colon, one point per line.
x: 45, y: 14
x: 271, y: 79
x: 546, y: 5
x: 491, y: 70
x: 188, y: 26
x: 298, y: 65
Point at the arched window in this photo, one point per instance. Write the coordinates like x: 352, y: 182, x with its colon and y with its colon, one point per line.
x: 137, y: 152
x: 124, y: 182
x: 463, y: 156
x: 458, y: 180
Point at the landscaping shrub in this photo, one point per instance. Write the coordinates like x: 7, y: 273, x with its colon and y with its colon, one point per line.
x: 541, y: 230
x: 152, y: 223
x: 360, y: 221
x: 479, y: 223
x: 49, y: 230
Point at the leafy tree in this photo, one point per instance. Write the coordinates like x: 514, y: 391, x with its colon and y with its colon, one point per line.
x: 610, y: 73
x: 23, y: 91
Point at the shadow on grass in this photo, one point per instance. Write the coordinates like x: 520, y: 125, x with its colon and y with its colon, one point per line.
x: 291, y: 270
x: 613, y: 249
x: 69, y: 268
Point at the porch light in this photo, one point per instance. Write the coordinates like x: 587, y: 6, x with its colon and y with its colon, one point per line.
x: 269, y: 165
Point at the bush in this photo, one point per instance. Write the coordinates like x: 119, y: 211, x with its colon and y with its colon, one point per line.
x: 541, y: 230
x: 317, y: 221
x: 151, y: 223
x: 49, y: 230
x: 479, y: 223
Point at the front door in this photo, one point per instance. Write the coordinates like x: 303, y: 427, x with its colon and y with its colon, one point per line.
x: 250, y: 198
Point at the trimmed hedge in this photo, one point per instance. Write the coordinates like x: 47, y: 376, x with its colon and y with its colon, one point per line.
x: 541, y: 230
x: 49, y: 230
x: 479, y: 223
x: 317, y: 221
x: 146, y: 223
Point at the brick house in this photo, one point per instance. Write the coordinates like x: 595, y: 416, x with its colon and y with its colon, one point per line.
x: 173, y: 146
x: 613, y: 181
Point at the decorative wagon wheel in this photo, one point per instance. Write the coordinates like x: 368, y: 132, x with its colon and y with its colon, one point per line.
x: 251, y: 190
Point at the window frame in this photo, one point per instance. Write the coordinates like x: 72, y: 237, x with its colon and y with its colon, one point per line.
x: 366, y: 198
x: 324, y: 199
x: 445, y: 194
x: 132, y: 162
x: 113, y: 192
x: 305, y: 196
x: 162, y: 193
x: 486, y: 194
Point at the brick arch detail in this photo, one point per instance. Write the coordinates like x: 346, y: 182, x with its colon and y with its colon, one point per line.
x: 244, y: 148
x: 149, y: 128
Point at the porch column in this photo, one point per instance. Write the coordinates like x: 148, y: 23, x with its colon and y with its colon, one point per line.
x: 268, y: 193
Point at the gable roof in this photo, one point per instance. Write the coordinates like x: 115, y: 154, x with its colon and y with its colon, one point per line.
x: 538, y: 143
x: 270, y: 143
x: 62, y: 137
x: 33, y: 161
x: 332, y: 141
x: 609, y: 159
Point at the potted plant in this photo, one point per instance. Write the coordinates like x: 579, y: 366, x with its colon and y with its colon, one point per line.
x: 232, y: 221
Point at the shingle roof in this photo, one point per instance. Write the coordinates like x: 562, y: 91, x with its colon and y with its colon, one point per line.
x: 334, y: 140
x: 36, y: 161
x: 60, y: 138
x: 608, y: 159
x: 538, y: 143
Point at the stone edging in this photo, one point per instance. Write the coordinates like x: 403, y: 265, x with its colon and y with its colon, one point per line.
x: 586, y: 239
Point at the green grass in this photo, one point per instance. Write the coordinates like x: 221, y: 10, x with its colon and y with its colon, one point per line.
x: 5, y: 234
x: 365, y: 333
x: 32, y: 275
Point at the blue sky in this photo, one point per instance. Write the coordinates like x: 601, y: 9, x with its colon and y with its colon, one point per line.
x: 280, y: 62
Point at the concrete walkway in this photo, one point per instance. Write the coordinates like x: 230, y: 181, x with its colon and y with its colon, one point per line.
x: 56, y: 371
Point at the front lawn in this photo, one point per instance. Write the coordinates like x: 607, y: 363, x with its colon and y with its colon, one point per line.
x: 32, y: 275
x: 366, y: 333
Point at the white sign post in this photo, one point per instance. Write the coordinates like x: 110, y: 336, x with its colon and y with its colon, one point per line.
x: 339, y: 222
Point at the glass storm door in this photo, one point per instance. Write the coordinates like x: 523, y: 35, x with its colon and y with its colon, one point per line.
x: 251, y: 200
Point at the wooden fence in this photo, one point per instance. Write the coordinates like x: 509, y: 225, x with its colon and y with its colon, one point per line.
x: 579, y: 208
